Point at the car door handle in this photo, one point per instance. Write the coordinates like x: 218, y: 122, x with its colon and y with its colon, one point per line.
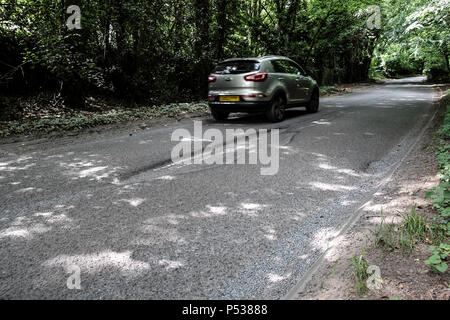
x: 281, y: 79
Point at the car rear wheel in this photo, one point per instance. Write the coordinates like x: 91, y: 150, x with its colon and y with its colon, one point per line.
x: 277, y: 109
x: 219, y: 115
x: 313, y: 104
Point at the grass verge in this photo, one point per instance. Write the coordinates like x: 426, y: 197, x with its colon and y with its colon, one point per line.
x: 326, y: 89
x: 86, y: 119
x: 360, y: 271
x: 414, y: 228
x: 440, y: 195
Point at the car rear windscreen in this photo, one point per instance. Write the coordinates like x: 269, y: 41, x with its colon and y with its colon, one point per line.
x: 236, y: 67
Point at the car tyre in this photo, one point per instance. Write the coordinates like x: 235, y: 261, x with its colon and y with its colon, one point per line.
x: 277, y: 110
x: 219, y: 115
x: 313, y: 104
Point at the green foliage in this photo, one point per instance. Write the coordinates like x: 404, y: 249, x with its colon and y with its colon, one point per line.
x: 386, y: 236
x: 164, y: 49
x: 413, y: 229
x: 440, y: 196
x: 326, y: 89
x: 84, y: 119
x: 397, y: 62
x: 415, y: 39
x: 415, y: 225
x: 375, y: 72
x: 360, y: 266
x: 444, y: 130
x: 438, y: 260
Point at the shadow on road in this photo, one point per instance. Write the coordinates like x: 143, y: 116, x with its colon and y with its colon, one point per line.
x: 260, y: 118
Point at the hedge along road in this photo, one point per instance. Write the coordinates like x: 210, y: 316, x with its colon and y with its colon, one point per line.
x: 138, y: 227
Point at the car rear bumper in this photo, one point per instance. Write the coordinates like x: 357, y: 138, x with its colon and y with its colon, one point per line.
x: 241, y: 106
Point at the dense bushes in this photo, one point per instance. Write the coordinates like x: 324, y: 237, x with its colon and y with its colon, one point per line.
x: 87, y: 119
x: 401, y: 64
x: 163, y: 49
x: 437, y: 72
x: 440, y: 195
x: 414, y: 40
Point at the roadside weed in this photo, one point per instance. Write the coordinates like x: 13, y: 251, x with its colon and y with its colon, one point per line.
x: 444, y: 131
x: 326, y: 89
x: 333, y: 269
x: 414, y: 225
x: 360, y: 266
x: 86, y: 119
x: 406, y: 241
x: 386, y: 236
x: 440, y: 196
x: 438, y: 260
x: 406, y: 236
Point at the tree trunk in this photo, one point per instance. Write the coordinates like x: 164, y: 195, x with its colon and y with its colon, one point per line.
x: 73, y: 87
x: 73, y: 93
x: 107, y: 31
x: 286, y: 15
x: 222, y: 26
x: 201, y: 45
x: 446, y: 56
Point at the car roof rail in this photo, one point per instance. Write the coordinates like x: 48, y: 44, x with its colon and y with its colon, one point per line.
x: 257, y: 59
x: 274, y: 56
x: 231, y: 59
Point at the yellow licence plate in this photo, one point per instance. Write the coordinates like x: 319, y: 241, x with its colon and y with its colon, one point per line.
x: 229, y: 98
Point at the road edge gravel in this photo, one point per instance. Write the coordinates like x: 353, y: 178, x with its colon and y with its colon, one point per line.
x: 295, y: 292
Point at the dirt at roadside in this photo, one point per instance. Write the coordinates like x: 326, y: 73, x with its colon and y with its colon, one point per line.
x: 30, y: 142
x: 404, y: 276
x: 350, y: 87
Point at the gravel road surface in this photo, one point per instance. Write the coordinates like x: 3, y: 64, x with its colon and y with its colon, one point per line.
x: 140, y: 228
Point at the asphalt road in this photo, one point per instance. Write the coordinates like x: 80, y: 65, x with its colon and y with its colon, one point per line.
x: 140, y: 228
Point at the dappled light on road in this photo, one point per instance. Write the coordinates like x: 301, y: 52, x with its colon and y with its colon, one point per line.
x: 29, y: 226
x: 96, y: 262
x: 119, y: 209
x: 331, y: 187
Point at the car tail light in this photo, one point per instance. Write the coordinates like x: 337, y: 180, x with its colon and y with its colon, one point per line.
x: 212, y: 96
x: 211, y: 79
x: 257, y: 77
